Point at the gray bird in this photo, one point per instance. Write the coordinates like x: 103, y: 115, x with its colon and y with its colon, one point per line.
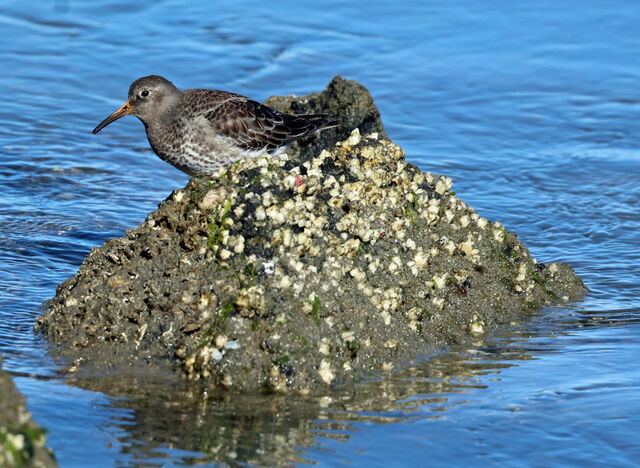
x: 200, y: 130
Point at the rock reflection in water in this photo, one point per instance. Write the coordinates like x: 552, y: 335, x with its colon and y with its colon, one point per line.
x: 271, y: 429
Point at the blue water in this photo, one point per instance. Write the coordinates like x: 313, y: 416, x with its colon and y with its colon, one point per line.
x: 532, y: 109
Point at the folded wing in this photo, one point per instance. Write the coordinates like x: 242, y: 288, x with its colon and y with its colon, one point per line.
x: 254, y: 126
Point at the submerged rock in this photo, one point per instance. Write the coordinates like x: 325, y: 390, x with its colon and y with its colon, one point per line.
x: 300, y: 270
x: 21, y: 440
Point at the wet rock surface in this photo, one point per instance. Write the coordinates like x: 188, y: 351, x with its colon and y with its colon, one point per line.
x: 298, y: 271
x: 21, y: 440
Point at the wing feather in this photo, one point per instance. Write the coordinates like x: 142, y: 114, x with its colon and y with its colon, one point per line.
x: 252, y: 125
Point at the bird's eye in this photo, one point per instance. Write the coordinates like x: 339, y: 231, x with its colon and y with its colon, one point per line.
x: 144, y: 93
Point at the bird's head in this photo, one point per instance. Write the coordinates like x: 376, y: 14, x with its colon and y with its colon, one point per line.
x: 149, y: 98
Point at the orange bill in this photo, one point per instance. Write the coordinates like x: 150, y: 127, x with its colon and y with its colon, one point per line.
x: 124, y: 110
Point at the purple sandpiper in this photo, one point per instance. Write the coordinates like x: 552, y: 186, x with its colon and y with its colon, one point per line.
x: 200, y: 130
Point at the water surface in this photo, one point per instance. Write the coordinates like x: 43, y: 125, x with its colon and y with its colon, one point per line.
x: 533, y: 110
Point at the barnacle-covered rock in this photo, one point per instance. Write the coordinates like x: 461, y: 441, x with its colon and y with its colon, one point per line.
x: 318, y: 265
x: 21, y: 440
